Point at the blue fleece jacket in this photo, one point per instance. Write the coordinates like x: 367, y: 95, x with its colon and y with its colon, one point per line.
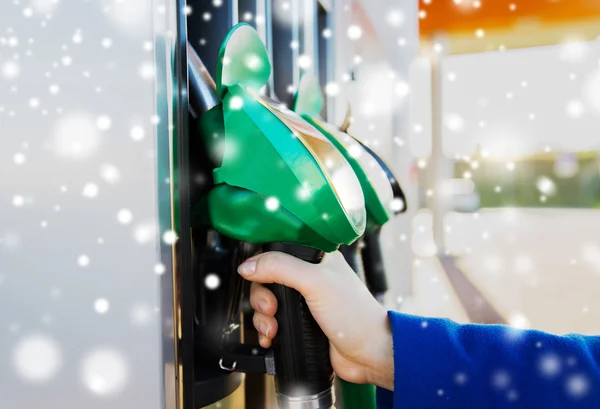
x: 441, y: 364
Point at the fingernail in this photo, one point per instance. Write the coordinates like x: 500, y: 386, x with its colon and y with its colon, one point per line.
x: 247, y: 268
x: 262, y: 306
x: 267, y: 334
x: 262, y: 328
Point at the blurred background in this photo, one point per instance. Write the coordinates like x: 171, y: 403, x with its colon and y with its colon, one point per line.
x: 487, y: 110
x: 504, y: 121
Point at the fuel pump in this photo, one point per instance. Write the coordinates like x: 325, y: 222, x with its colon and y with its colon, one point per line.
x: 383, y: 197
x: 277, y: 184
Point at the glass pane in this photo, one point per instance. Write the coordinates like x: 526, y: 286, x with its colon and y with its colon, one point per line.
x: 80, y: 321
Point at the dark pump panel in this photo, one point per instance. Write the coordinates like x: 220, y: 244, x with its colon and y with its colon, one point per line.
x: 247, y: 12
x: 324, y: 49
x: 283, y: 53
x: 207, y: 26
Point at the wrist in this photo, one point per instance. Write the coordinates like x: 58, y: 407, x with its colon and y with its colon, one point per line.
x: 381, y: 365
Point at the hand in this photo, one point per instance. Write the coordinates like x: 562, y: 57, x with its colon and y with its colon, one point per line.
x: 355, y: 323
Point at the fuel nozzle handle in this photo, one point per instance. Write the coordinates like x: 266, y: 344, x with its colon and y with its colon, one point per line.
x: 375, y: 277
x: 303, y: 372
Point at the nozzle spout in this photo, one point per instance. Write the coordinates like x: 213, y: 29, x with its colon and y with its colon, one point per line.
x: 202, y: 88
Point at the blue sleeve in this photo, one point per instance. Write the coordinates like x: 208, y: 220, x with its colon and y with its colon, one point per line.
x: 441, y: 364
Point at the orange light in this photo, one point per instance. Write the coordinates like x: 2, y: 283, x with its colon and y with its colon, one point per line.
x: 453, y: 16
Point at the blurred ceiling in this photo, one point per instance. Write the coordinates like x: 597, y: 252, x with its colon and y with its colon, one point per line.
x: 461, y: 16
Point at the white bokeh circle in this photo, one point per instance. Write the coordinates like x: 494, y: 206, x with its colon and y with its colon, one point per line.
x: 76, y: 136
x: 37, y: 358
x: 105, y: 372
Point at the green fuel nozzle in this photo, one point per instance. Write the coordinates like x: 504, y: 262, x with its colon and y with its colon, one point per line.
x: 279, y: 183
x: 383, y: 195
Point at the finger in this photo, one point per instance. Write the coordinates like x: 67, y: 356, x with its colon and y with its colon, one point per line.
x: 264, y: 341
x: 280, y: 268
x: 265, y: 325
x: 262, y: 299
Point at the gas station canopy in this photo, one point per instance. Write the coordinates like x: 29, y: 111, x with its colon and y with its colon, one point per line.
x: 459, y: 16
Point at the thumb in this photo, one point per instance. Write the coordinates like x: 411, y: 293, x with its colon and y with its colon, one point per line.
x: 280, y: 268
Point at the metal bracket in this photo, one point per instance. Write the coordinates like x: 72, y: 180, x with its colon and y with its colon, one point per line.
x: 225, y: 368
x: 248, y: 359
